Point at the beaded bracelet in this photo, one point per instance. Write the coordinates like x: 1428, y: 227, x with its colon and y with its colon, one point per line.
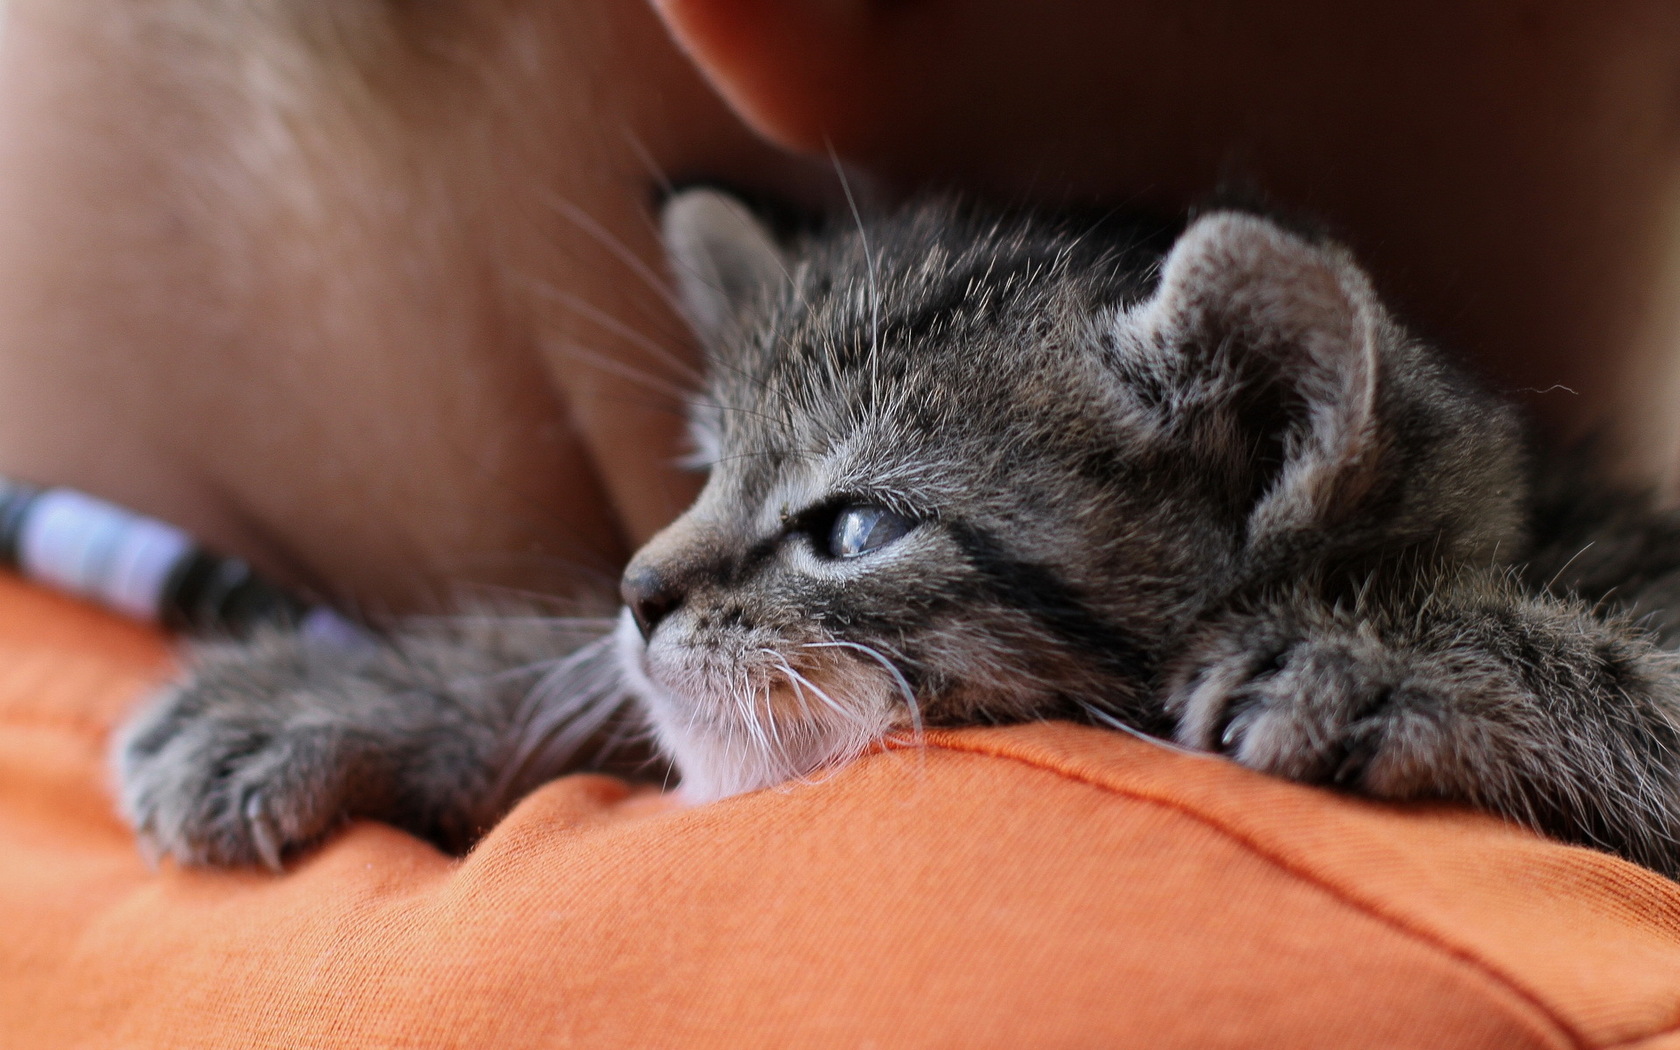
x: 146, y: 569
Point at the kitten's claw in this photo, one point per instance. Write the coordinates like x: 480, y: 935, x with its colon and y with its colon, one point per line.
x: 263, y: 835
x: 1238, y: 719
x: 1341, y: 710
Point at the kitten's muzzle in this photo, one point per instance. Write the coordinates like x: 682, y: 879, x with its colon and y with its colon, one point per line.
x: 650, y: 596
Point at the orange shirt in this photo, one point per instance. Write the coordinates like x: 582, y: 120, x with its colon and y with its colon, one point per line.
x: 1043, y: 886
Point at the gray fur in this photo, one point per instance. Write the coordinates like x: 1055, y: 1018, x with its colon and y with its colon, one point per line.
x: 1217, y: 494
x: 272, y: 742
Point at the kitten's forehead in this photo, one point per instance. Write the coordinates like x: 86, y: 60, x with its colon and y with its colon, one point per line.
x: 889, y: 343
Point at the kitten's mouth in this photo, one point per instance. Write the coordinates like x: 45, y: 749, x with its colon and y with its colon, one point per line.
x: 739, y: 726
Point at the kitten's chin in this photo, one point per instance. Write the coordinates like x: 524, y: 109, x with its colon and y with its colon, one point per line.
x: 717, y: 759
x: 714, y: 768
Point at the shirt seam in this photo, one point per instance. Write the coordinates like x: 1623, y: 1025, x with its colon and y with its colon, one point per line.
x: 1258, y: 849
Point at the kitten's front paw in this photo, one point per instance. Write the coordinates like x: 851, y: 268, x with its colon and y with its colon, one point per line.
x: 1324, y: 707
x: 218, y: 780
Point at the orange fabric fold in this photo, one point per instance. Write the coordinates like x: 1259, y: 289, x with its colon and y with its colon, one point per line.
x: 1045, y: 886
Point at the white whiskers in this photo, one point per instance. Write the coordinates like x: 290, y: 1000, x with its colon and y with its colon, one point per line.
x: 1097, y: 714
x: 571, y: 705
x: 907, y: 694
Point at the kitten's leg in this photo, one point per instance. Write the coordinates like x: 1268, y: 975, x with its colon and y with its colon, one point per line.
x: 270, y: 743
x: 1531, y: 707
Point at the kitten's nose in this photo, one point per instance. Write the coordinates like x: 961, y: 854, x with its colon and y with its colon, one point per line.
x: 650, y: 597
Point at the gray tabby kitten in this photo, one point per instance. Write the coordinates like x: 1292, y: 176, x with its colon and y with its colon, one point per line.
x: 968, y: 468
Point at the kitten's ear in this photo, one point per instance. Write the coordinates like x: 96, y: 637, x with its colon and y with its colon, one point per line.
x: 1280, y: 345
x: 723, y: 258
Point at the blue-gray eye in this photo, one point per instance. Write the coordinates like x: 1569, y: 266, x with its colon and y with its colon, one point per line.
x: 863, y: 528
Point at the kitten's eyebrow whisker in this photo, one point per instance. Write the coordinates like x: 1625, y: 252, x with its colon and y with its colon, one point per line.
x: 616, y: 246
x: 766, y: 454
x: 752, y: 377
x: 613, y: 366
x: 874, y: 288
x: 779, y: 422
x: 645, y: 157
x: 577, y: 304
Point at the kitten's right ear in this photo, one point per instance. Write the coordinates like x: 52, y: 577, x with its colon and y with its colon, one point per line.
x: 723, y: 258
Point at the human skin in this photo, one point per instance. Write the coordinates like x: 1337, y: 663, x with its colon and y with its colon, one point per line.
x: 370, y: 298
x: 368, y: 292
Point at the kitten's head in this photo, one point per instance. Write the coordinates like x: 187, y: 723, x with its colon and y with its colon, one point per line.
x: 969, y: 468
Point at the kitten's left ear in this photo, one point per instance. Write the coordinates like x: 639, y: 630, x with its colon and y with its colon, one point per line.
x: 723, y: 258
x: 1278, y: 343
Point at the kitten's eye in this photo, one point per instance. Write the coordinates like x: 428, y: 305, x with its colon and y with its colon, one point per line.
x: 864, y: 528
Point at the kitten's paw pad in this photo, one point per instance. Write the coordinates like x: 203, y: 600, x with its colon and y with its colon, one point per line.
x: 230, y: 788
x: 1343, y: 711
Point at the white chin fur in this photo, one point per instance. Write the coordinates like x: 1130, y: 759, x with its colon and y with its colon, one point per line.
x: 718, y: 761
